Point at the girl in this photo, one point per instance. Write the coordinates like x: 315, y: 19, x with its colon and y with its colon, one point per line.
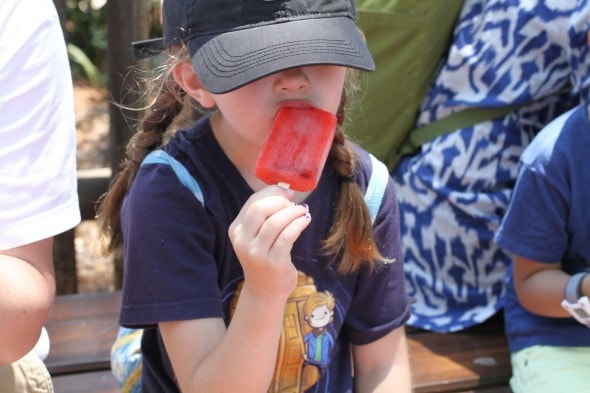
x: 219, y: 286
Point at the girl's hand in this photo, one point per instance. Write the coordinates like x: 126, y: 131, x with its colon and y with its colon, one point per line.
x: 262, y: 235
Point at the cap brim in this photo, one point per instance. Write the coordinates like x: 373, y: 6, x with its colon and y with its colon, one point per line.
x: 230, y: 60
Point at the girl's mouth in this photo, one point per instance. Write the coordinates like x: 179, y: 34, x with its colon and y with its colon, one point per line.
x: 296, y: 104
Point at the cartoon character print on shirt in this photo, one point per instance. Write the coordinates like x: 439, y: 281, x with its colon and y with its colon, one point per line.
x: 318, y: 312
x: 306, y: 340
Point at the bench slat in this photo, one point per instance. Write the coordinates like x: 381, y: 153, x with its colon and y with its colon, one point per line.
x: 497, y: 389
x: 462, y: 361
x: 90, y: 382
x: 82, y: 329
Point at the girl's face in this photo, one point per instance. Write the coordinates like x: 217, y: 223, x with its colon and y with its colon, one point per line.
x: 247, y: 113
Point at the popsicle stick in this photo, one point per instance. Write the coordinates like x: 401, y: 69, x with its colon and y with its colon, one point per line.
x: 284, y: 185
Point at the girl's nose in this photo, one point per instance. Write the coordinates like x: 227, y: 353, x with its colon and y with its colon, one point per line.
x: 291, y: 80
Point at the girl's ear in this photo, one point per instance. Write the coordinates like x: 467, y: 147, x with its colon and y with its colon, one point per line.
x: 185, y: 76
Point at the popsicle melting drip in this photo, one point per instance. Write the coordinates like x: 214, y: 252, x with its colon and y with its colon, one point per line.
x: 296, y: 148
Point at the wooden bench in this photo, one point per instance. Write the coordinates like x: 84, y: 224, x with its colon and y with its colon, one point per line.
x: 82, y: 328
x: 474, y: 360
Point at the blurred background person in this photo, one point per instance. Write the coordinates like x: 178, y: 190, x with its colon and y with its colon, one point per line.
x: 38, y: 194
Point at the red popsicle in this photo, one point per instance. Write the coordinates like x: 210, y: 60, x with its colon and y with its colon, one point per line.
x: 296, y: 149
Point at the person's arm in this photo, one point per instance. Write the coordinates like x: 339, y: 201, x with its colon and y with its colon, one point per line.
x: 27, y: 290
x: 207, y: 358
x: 540, y: 286
x: 383, y: 365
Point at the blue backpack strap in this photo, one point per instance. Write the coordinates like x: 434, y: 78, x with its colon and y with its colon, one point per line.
x: 161, y: 157
x: 376, y: 187
x: 373, y: 195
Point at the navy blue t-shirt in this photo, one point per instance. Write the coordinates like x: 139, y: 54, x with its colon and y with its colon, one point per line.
x: 180, y: 265
x: 548, y: 221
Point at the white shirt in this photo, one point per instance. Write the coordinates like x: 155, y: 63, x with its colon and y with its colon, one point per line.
x: 38, y: 186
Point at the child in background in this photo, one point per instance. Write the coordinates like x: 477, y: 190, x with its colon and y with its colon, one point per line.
x: 547, y: 231
x: 214, y: 284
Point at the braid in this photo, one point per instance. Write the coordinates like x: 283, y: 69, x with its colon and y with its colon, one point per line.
x: 160, y: 115
x: 154, y: 125
x: 351, y: 232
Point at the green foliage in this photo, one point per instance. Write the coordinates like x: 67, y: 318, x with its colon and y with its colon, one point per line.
x: 86, y: 35
x: 83, y: 67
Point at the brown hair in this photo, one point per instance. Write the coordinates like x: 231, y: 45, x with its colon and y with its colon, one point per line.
x: 351, y: 234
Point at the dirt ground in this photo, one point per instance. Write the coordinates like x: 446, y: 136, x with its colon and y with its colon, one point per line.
x: 95, y: 272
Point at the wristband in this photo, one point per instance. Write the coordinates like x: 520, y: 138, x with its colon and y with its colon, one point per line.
x: 573, y: 288
x: 576, y: 304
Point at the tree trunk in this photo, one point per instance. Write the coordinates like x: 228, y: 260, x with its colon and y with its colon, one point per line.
x: 127, y: 21
x: 64, y: 252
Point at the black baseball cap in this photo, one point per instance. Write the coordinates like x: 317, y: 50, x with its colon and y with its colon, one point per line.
x: 235, y: 42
